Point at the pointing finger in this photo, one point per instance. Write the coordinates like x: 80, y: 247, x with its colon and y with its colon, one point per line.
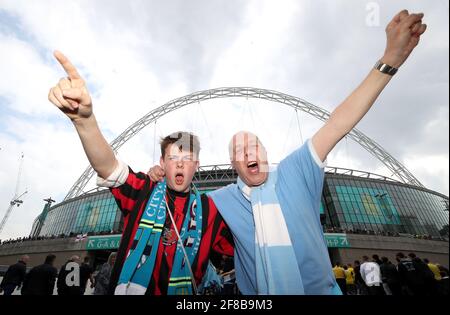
x: 67, y: 65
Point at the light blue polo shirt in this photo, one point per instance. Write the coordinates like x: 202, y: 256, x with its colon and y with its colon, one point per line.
x: 299, y: 189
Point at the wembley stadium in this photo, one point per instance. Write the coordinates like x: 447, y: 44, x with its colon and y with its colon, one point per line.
x: 362, y: 213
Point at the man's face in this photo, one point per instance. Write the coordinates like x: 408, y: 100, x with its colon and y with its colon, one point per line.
x: 249, y: 158
x: 180, y: 167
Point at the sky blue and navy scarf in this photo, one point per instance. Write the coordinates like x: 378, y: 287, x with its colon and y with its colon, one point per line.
x: 140, y: 262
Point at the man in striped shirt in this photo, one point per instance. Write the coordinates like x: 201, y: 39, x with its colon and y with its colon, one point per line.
x: 134, y: 192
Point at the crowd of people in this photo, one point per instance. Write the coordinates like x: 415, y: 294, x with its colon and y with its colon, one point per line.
x: 51, y: 237
x: 41, y: 279
x: 326, y: 230
x: 384, y: 233
x: 410, y: 275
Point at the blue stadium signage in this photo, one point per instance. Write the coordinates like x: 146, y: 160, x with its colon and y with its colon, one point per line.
x: 337, y: 240
x: 334, y: 240
x: 103, y: 242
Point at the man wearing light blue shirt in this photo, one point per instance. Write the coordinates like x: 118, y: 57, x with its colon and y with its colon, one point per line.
x: 298, y: 188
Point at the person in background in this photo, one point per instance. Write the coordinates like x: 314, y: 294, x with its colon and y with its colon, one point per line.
x: 361, y: 288
x: 104, y: 275
x: 350, y: 279
x: 430, y: 284
x: 67, y: 284
x: 377, y: 259
x: 86, y: 273
x: 390, y: 277
x: 226, y: 264
x: 14, y: 276
x: 434, y: 269
x: 411, y: 280
x: 339, y: 274
x: 370, y: 272
x: 41, y: 279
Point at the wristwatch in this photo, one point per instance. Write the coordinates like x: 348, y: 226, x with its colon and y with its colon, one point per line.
x: 385, y: 68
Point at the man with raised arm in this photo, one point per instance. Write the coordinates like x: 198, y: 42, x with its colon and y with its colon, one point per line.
x: 273, y: 213
x: 158, y: 217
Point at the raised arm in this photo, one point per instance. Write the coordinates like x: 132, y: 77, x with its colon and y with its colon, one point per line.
x: 71, y: 96
x: 403, y: 34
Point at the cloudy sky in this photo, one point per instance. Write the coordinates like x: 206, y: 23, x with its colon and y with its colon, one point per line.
x: 138, y: 55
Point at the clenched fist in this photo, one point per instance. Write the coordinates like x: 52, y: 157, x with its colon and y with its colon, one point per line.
x: 70, y: 95
x: 403, y: 34
x: 156, y: 173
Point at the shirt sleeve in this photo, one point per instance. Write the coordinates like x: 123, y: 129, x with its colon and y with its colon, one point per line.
x: 125, y: 185
x: 304, y: 167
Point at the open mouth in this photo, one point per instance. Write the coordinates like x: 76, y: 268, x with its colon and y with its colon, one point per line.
x: 253, y: 167
x: 179, y: 178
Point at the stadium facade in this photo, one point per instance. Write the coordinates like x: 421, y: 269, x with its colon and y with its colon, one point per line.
x: 362, y: 214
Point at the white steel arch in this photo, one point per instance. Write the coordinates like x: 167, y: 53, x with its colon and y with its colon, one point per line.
x: 248, y: 92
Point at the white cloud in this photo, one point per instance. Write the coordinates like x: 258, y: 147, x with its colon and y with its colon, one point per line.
x: 53, y: 159
x: 432, y: 170
x: 26, y: 78
x: 138, y: 55
x: 246, y: 61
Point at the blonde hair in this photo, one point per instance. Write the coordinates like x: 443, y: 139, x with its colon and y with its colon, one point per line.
x: 111, y: 256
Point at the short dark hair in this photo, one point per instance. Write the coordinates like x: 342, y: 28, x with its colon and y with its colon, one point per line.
x: 86, y: 259
x: 400, y: 255
x: 425, y: 260
x: 49, y: 259
x: 365, y: 258
x: 412, y: 255
x: 384, y: 259
x: 184, y: 140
